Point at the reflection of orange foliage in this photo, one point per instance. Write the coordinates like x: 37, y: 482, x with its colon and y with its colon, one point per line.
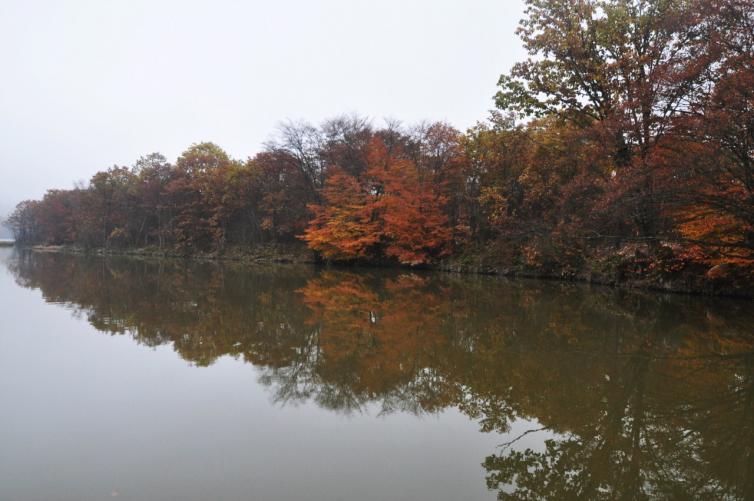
x: 380, y: 336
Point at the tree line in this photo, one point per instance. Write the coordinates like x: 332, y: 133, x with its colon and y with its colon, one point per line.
x: 630, y: 124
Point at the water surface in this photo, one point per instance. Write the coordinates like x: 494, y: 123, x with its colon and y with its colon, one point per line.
x: 162, y: 379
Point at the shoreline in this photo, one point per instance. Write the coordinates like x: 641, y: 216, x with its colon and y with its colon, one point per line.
x: 708, y: 284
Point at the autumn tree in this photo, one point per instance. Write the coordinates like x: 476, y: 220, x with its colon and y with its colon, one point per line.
x: 440, y: 157
x: 280, y: 194
x: 345, y: 226
x: 301, y: 143
x: 713, y: 146
x: 23, y: 222
x: 630, y: 64
x: 346, y: 141
x: 224, y: 191
x: 625, y: 67
x: 415, y: 228
x: 496, y: 151
x: 190, y: 190
x: 153, y: 174
x: 59, y: 216
x: 110, y: 208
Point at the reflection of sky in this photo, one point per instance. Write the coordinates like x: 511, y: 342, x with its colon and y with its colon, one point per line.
x: 6, y: 253
x: 86, y: 414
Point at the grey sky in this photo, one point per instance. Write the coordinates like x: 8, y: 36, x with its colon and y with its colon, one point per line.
x: 88, y: 84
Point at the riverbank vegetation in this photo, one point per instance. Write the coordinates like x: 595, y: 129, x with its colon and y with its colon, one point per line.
x: 623, y: 147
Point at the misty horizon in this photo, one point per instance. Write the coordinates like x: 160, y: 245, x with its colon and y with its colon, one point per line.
x: 92, y: 86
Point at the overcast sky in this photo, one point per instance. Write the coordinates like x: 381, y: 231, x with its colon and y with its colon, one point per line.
x: 88, y: 84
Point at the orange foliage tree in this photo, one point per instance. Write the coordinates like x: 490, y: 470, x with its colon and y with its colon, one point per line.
x: 415, y: 228
x: 345, y: 226
x: 389, y: 211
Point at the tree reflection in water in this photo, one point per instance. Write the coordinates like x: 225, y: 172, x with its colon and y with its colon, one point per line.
x: 645, y: 395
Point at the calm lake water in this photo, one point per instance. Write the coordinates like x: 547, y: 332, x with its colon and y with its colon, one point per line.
x: 166, y: 380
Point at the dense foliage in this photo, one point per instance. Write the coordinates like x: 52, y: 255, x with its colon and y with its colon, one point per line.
x: 628, y: 131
